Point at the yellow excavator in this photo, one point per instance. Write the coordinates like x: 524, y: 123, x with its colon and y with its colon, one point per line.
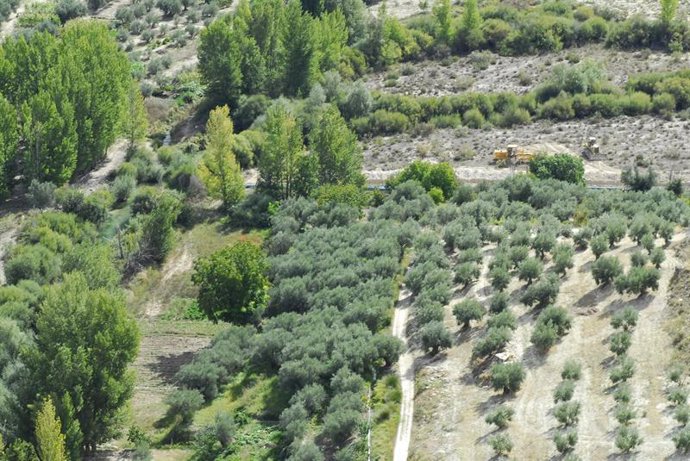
x: 590, y: 149
x: 513, y: 154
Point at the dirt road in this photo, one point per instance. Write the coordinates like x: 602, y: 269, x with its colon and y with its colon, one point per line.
x: 407, y: 372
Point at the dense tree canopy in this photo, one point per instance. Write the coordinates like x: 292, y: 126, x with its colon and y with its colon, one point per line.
x: 71, y: 93
x: 85, y: 342
x: 232, y: 283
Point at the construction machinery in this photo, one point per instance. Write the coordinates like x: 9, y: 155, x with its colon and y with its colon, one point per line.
x: 590, y: 149
x: 513, y: 154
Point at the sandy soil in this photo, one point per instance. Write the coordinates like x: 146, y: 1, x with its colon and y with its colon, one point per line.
x: 516, y: 74
x: 452, y: 401
x: 622, y: 140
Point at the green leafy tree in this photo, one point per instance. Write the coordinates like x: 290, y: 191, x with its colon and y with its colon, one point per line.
x: 300, y: 56
x: 97, y: 75
x: 219, y: 169
x: 668, y: 11
x: 443, y: 19
x: 50, y: 441
x: 157, y: 230
x: 232, y: 282
x: 507, y: 377
x: 500, y: 416
x: 564, y: 167
x: 429, y: 175
x: 435, y: 336
x: 283, y: 166
x: 467, y: 310
x: 135, y: 123
x: 85, y: 343
x: 330, y: 36
x: 606, y: 269
x: 469, y: 36
x: 337, y: 149
x: 219, y: 62
x: 9, y: 139
x: 50, y: 137
x: 530, y: 269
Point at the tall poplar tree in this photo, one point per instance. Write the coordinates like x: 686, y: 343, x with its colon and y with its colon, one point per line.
x: 135, y: 123
x: 335, y: 145
x: 279, y: 165
x: 300, y: 64
x: 219, y: 62
x: 50, y: 442
x: 219, y: 169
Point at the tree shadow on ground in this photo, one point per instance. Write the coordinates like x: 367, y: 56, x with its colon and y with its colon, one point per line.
x: 533, y: 357
x: 595, y: 296
x: 166, y: 366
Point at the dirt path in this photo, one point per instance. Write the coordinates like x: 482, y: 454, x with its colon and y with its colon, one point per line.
x: 96, y: 178
x: 406, y: 370
x: 452, y: 400
x: 176, y: 264
x: 8, y: 237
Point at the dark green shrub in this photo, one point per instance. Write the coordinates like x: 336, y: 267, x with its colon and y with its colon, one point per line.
x: 599, y: 244
x: 466, y: 273
x: 682, y: 414
x: 624, y: 413
x: 623, y: 393
x: 623, y: 371
x: 501, y: 444
x: 678, y: 395
x: 682, y: 440
x: 542, y: 293
x: 41, y: 194
x: 504, y: 319
x: 530, y: 269
x: 498, y: 303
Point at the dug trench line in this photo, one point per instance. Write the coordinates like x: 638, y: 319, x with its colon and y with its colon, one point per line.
x: 406, y: 372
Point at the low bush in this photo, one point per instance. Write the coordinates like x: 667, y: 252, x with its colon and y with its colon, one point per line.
x: 564, y: 391
x: 501, y: 444
x: 565, y: 441
x: 567, y: 413
x: 500, y: 416
x: 627, y: 438
x: 623, y: 371
x: 571, y: 370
